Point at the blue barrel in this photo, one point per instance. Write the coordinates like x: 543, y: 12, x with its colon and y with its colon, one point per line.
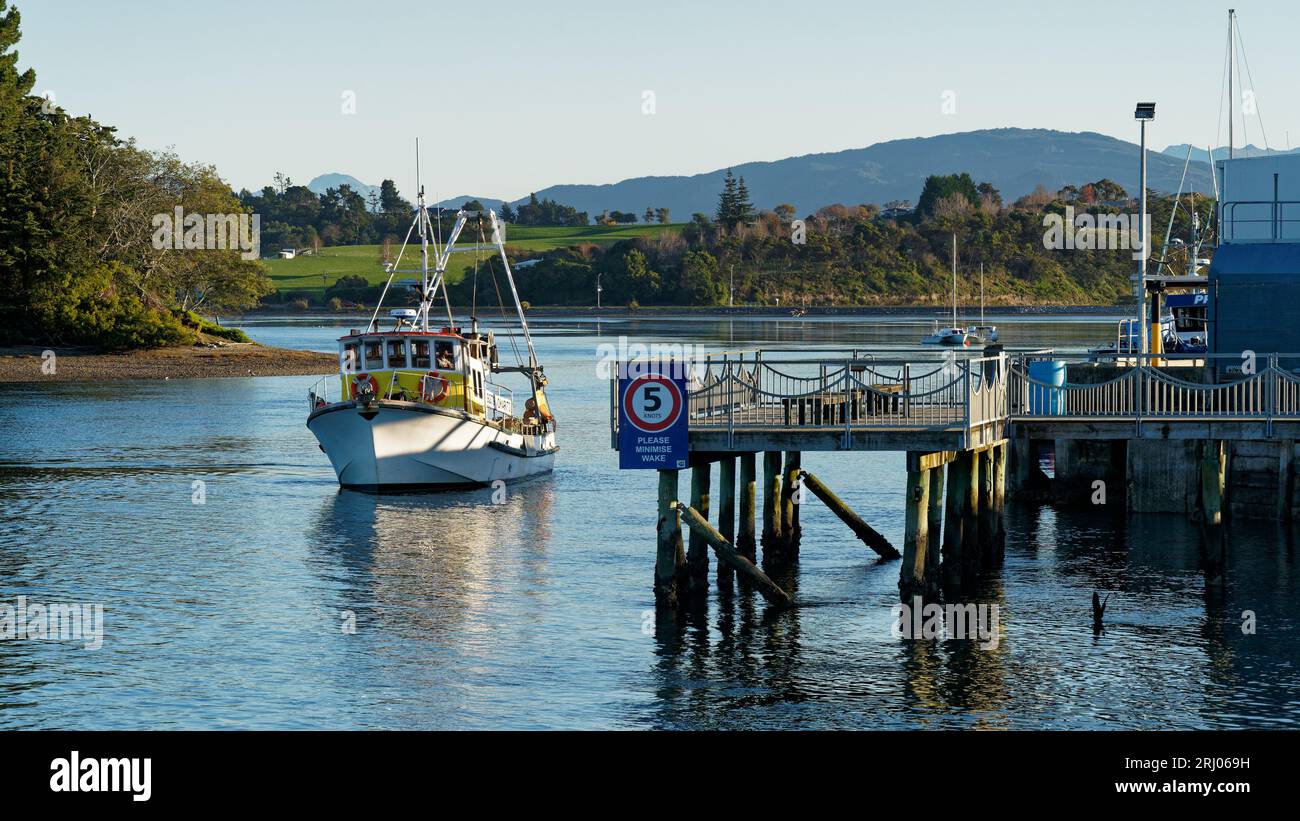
x: 1045, y: 400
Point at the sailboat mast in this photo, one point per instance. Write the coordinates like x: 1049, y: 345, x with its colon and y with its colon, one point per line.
x: 1232, y: 58
x: 981, y: 293
x: 425, y: 296
x: 954, y: 280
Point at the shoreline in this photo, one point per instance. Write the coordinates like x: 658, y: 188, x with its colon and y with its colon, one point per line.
x: 28, y: 363
x: 562, y: 311
x: 220, y: 359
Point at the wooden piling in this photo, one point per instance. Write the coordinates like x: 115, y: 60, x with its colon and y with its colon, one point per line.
x: 970, y: 522
x: 697, y: 553
x: 670, y: 558
x: 912, y: 574
x: 726, y: 515
x: 745, y: 542
x: 958, y: 494
x: 790, y: 499
x: 727, y: 553
x: 935, y: 529
x: 1211, y: 503
x: 987, y: 520
x: 869, y: 536
x: 771, y: 507
x: 1000, y: 453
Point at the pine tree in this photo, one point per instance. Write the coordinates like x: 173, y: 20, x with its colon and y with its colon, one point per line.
x: 727, y: 201
x: 744, y: 208
x: 14, y: 87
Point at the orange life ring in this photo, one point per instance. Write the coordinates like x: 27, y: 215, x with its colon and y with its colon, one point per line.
x: 366, y: 378
x: 444, y: 387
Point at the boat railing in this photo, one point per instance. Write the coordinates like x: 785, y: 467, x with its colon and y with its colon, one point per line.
x: 498, y: 401
x: 1263, y: 221
x: 318, y: 393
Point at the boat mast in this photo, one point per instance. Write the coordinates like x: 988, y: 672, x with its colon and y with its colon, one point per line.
x: 498, y: 239
x: 1232, y: 56
x: 425, y: 297
x: 954, y: 280
x: 981, y: 294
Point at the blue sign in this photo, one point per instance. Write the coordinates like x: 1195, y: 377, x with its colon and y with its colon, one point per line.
x: 652, y: 417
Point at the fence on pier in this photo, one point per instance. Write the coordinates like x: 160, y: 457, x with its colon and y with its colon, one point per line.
x: 848, y: 391
x: 1159, y: 387
x: 960, y: 391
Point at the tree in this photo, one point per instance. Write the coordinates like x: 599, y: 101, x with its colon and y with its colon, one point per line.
x: 728, y: 201
x: 390, y: 201
x: 661, y: 214
x: 700, y: 282
x: 649, y: 215
x: 990, y: 197
x: 642, y: 283
x: 942, y: 186
x: 507, y: 213
x: 785, y: 212
x: 744, y: 208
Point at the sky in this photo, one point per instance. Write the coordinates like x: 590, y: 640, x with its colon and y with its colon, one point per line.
x: 510, y: 97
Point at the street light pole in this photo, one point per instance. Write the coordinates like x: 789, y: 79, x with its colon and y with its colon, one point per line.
x: 598, y: 290
x: 1142, y: 233
x: 1144, y: 113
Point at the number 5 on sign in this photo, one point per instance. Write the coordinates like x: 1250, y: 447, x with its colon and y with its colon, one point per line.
x: 652, y: 423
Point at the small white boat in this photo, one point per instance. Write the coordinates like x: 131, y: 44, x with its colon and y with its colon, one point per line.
x: 948, y: 336
x: 955, y: 335
x: 417, y: 406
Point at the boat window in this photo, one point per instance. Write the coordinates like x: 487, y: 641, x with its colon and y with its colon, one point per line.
x: 374, y: 355
x: 420, y: 353
x: 445, y: 353
x: 348, y: 361
x: 397, y: 353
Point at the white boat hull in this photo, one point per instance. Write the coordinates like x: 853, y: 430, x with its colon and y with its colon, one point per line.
x: 404, y: 446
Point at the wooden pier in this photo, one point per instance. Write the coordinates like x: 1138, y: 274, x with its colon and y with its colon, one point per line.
x: 973, y: 427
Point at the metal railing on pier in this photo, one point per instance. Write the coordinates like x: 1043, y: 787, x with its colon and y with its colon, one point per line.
x: 959, y: 391
x: 1157, y: 387
x: 845, y: 390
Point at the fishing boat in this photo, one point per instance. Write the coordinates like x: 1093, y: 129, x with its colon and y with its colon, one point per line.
x: 418, y: 406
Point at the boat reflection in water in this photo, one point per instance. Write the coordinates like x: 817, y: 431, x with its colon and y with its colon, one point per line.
x: 437, y: 569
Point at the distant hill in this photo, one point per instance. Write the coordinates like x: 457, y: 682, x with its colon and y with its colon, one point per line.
x: 457, y: 202
x: 1221, y: 153
x: 325, y: 181
x: 1014, y: 160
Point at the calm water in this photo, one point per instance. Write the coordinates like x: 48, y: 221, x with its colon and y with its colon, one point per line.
x: 533, y: 614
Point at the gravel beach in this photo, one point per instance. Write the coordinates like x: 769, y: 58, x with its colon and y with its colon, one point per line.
x: 25, y: 363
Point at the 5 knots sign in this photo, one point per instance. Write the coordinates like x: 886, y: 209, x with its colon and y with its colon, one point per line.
x: 652, y: 418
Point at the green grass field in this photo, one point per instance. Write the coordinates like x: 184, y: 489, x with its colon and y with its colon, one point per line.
x: 310, y: 275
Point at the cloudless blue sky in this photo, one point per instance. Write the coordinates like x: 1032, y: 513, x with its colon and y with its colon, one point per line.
x: 509, y: 97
